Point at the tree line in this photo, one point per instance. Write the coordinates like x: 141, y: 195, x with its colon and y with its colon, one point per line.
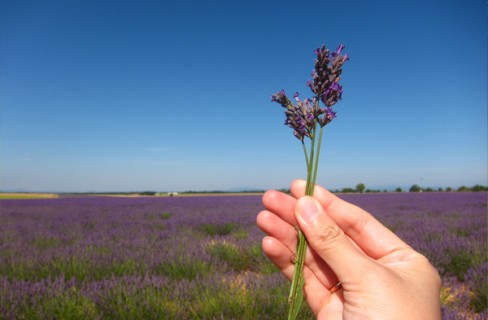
x: 361, y: 188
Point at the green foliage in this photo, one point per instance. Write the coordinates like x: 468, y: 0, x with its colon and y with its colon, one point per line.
x: 360, y: 187
x: 372, y: 191
x: 147, y: 193
x: 122, y: 268
x: 71, y: 267
x: 460, y: 232
x: 459, y: 263
x: 124, y: 302
x: 46, y: 243
x: 476, y: 188
x: 67, y: 305
x: 415, y: 188
x: 89, y: 225
x: 230, y: 254
x: 165, y: 215
x: 218, y: 229
x: 178, y: 270
x: 100, y: 250
x: 479, y: 301
x: 29, y: 270
x: 249, y: 258
x: 240, y: 234
x: 233, y: 299
x: 479, y: 188
x: 260, y: 262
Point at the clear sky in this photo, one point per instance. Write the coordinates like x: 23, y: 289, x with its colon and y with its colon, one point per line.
x: 175, y: 95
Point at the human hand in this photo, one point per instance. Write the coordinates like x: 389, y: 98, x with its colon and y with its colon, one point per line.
x: 381, y: 276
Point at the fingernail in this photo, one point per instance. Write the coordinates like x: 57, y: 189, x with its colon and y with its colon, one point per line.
x: 308, y: 209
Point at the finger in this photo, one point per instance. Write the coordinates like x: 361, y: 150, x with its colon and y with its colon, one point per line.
x: 329, y: 241
x: 368, y: 233
x: 317, y: 295
x: 277, y: 228
x: 279, y: 254
x: 281, y: 231
x: 315, y: 291
x: 281, y: 204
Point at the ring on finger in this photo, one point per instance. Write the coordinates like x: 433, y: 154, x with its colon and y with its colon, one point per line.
x: 338, y: 286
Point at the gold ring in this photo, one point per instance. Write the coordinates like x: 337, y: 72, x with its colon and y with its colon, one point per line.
x: 336, y: 287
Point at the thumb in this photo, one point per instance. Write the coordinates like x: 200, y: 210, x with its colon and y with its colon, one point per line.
x: 329, y: 241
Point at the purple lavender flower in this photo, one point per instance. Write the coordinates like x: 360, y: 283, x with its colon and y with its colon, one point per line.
x: 332, y: 94
x: 304, y: 115
x: 282, y: 99
x: 329, y: 115
x: 326, y: 75
x: 301, y: 122
x: 338, y: 50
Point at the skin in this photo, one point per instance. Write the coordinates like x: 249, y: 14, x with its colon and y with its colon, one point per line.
x: 382, y: 277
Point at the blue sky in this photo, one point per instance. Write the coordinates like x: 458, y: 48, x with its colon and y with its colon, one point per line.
x: 175, y: 95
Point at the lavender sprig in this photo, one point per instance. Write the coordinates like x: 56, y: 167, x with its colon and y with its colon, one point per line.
x: 305, y: 117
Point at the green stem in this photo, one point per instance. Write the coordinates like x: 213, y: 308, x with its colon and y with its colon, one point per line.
x: 306, y: 153
x: 316, y: 166
x: 295, y: 298
x: 310, y: 169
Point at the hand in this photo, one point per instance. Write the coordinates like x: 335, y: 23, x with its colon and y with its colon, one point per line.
x: 381, y: 276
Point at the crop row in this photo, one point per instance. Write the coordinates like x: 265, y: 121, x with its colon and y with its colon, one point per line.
x: 200, y: 257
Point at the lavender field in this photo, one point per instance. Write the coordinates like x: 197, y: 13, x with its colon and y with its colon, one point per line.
x: 200, y: 257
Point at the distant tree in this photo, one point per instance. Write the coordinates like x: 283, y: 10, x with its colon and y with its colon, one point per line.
x: 429, y: 190
x: 448, y: 189
x: 147, y: 193
x: 478, y: 188
x: 440, y: 189
x: 415, y: 188
x: 348, y: 190
x: 398, y: 189
x: 360, y: 187
x: 463, y: 189
x: 372, y: 191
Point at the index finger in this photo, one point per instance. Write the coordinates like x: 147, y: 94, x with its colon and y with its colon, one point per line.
x: 368, y: 233
x: 281, y: 204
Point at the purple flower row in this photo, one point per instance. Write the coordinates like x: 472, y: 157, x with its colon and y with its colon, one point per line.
x: 89, y: 247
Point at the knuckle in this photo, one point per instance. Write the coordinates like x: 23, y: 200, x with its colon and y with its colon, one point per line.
x: 328, y: 237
